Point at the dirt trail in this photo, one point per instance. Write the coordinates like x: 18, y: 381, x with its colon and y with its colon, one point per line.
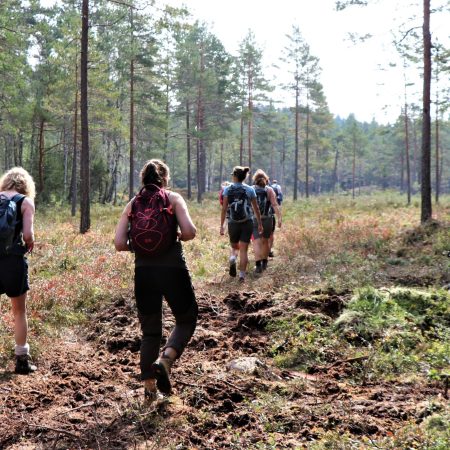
x: 86, y: 393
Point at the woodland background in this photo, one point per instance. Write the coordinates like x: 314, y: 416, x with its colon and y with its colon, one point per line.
x: 162, y: 85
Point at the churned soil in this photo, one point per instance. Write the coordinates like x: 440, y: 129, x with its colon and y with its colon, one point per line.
x: 87, y: 394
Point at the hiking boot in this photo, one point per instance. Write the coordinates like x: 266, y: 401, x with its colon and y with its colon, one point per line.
x: 23, y: 365
x: 258, y: 270
x: 241, y: 279
x: 161, y: 370
x: 264, y: 264
x: 233, y: 270
x: 271, y: 255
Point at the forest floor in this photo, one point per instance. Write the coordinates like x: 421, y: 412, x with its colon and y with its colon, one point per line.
x: 343, y: 343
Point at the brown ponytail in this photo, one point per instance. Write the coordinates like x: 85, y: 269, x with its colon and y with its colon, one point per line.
x: 240, y: 173
x: 155, y: 172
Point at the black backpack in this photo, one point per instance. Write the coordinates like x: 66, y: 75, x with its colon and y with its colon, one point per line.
x: 263, y: 201
x: 238, y: 204
x: 8, y: 222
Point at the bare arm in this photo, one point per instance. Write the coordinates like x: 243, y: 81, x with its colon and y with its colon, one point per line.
x: 121, y: 238
x: 28, y: 222
x: 187, y: 227
x: 274, y: 203
x: 257, y: 214
x: 223, y: 214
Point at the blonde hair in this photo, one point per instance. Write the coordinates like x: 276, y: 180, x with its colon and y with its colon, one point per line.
x: 260, y: 178
x: 18, y: 179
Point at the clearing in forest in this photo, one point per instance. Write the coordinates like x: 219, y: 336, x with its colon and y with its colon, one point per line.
x: 343, y: 343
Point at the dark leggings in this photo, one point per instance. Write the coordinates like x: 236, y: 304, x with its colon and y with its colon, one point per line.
x: 151, y: 284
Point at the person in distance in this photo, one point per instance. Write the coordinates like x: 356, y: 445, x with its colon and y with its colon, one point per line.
x: 239, y: 206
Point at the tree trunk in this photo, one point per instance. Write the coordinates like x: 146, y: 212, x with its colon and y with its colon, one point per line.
x: 132, y: 143
x: 272, y: 161
x: 354, y: 168
x: 41, y: 156
x: 188, y: 148
x: 166, y: 129
x: 283, y: 161
x: 241, y: 143
x: 250, y: 120
x: 16, y: 151
x: 408, y: 169
x: 74, y: 182
x: 85, y: 219
x: 307, y: 152
x: 436, y: 139
x: 297, y: 89
x: 417, y: 172
x: 201, y: 155
x: 221, y: 166
x: 426, y: 209
x: 335, y: 169
x: 66, y: 159
x: 402, y: 170
x: 20, y: 148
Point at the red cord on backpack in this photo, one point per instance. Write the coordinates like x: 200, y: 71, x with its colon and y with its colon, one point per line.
x: 153, y: 225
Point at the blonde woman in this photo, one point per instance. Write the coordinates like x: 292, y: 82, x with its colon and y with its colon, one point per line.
x: 17, y: 193
x: 268, y: 206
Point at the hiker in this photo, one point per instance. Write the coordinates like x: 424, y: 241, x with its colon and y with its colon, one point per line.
x: 239, y: 204
x: 268, y: 205
x: 17, y: 192
x: 279, y: 196
x: 222, y: 187
x: 153, y: 225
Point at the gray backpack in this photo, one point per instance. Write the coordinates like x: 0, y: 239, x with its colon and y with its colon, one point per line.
x: 239, y: 207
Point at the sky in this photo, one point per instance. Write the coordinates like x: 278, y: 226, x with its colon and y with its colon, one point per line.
x: 357, y: 78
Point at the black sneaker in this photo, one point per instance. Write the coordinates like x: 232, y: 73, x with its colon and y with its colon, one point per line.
x: 23, y: 365
x: 161, y: 369
x: 233, y: 271
x: 258, y: 270
x: 271, y: 255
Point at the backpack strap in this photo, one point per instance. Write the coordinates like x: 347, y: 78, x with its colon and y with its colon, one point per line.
x: 17, y: 198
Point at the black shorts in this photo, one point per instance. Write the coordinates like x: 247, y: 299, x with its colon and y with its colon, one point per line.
x: 267, y: 224
x: 13, y: 275
x: 240, y: 231
x: 152, y: 283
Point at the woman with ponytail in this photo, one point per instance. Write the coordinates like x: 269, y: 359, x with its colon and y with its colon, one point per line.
x: 239, y: 206
x: 153, y: 224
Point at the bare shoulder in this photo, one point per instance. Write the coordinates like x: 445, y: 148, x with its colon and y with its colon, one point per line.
x: 28, y: 204
x: 128, y: 206
x: 175, y: 198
